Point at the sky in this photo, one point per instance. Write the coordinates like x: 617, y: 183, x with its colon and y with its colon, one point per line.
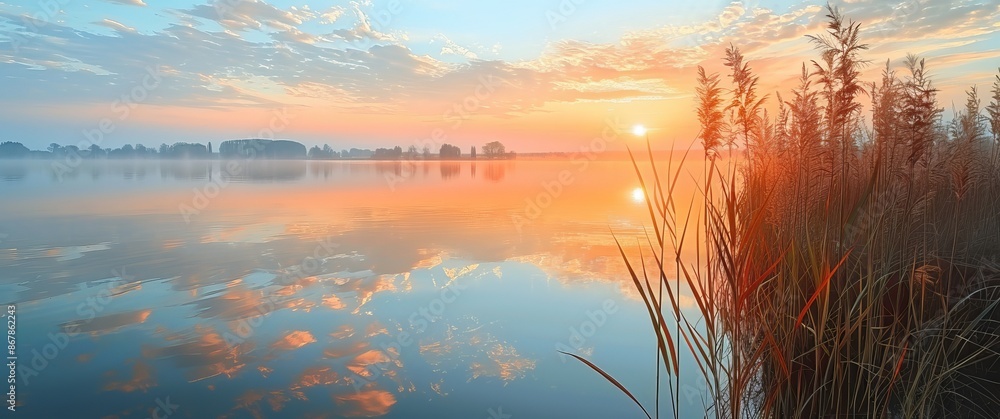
x: 537, y: 75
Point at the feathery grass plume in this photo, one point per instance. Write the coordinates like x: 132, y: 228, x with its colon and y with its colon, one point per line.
x: 745, y: 107
x: 711, y: 117
x: 920, y: 111
x: 993, y: 110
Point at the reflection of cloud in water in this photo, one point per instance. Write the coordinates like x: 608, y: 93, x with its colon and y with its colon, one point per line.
x: 502, y: 362
x: 366, y: 403
x: 368, y: 287
x: 238, y: 302
x: 345, y: 350
x: 374, y: 329
x: 343, y: 331
x: 294, y: 340
x: 333, y: 302
x: 204, y: 353
x: 257, y: 234
x: 486, y: 355
x: 315, y: 376
x: 61, y: 254
x: 106, y: 324
x: 142, y: 379
x: 251, y: 401
x: 361, y: 364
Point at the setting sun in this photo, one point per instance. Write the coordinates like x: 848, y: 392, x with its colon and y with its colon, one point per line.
x: 639, y: 130
x: 638, y: 195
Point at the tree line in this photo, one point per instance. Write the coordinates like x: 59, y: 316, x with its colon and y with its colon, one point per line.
x: 252, y: 148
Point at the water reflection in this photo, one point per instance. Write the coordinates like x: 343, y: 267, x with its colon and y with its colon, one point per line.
x: 330, y: 293
x: 12, y: 172
x: 262, y: 170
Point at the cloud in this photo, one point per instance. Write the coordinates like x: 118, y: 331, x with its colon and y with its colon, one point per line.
x: 139, y: 3
x: 331, y: 15
x: 250, y: 14
x: 359, y: 66
x: 108, y: 23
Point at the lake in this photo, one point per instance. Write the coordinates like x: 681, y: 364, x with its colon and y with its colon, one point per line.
x: 325, y: 289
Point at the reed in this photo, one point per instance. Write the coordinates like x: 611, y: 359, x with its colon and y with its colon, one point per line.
x: 839, y: 270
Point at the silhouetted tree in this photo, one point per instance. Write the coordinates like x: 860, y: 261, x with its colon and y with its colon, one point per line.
x: 96, y: 151
x: 449, y: 151
x: 10, y: 149
x: 472, y: 153
x: 494, y: 150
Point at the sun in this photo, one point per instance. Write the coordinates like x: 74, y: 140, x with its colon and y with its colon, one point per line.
x: 639, y: 130
x: 638, y: 195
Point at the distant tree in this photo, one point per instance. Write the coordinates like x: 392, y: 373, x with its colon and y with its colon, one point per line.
x: 96, y: 151
x: 411, y: 153
x: 71, y: 150
x: 427, y: 153
x: 140, y: 150
x: 55, y: 148
x: 472, y: 153
x: 494, y: 150
x: 315, y: 152
x: 209, y: 147
x: 164, y: 149
x: 449, y: 151
x: 11, y: 149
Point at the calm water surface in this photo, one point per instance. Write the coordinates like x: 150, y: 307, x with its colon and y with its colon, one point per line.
x: 324, y: 289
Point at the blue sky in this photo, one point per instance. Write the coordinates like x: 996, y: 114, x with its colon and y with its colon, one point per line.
x: 379, y: 73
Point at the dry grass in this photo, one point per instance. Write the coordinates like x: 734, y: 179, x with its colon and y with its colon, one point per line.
x: 839, y: 272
